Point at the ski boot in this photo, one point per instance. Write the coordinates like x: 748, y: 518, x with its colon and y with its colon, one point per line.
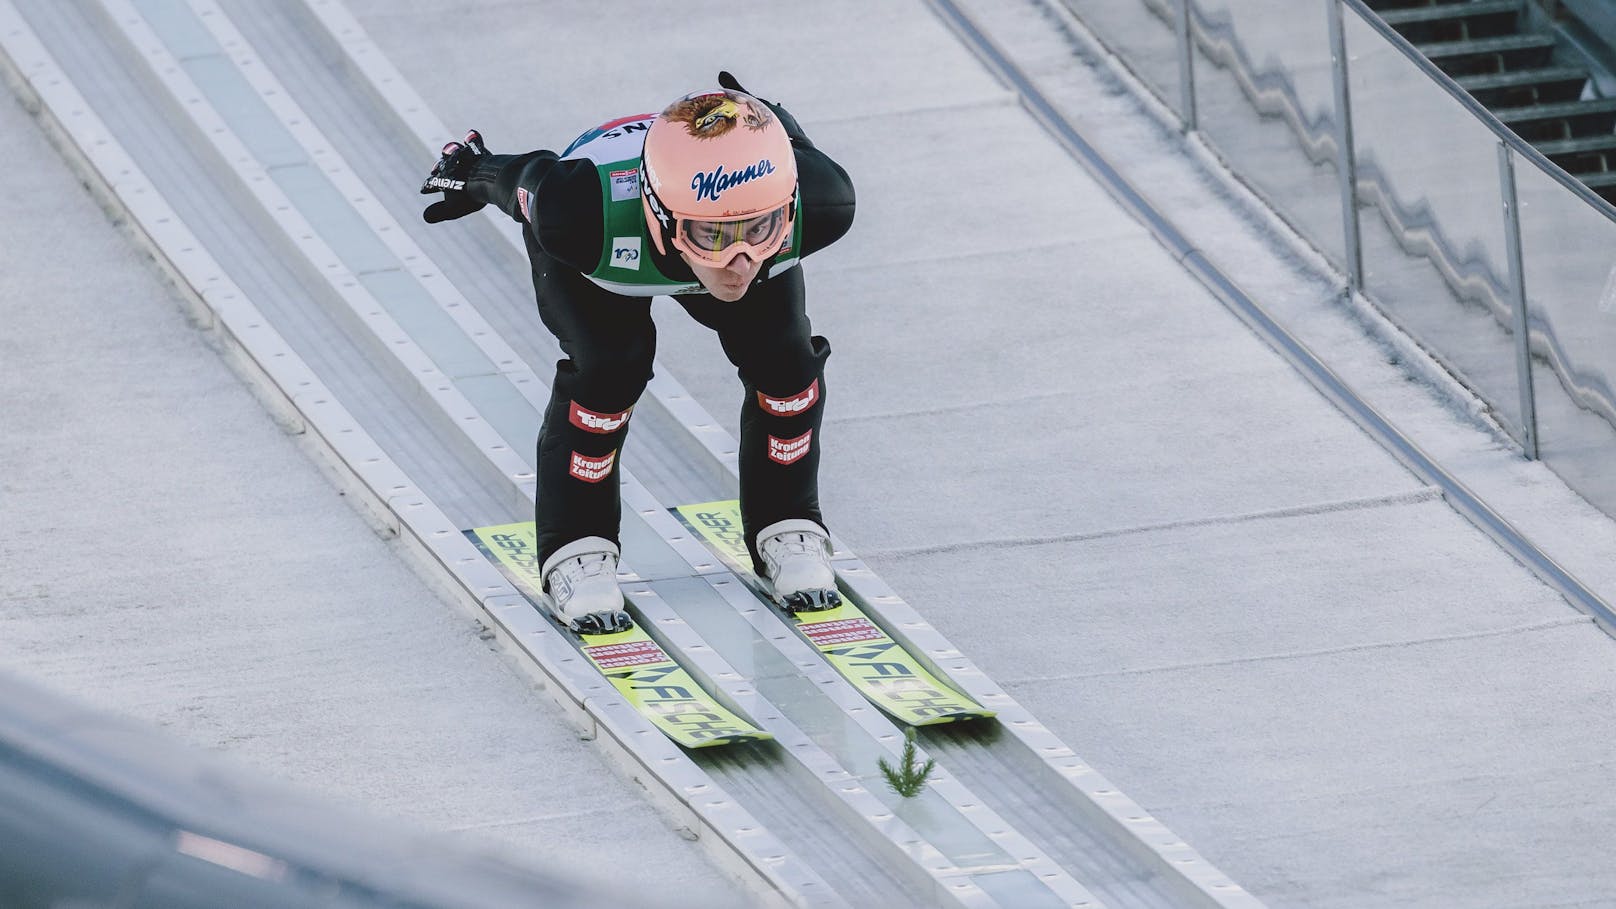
x: 796, y: 563
x: 580, y: 587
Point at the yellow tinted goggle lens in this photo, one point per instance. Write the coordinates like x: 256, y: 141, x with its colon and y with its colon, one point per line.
x: 712, y: 237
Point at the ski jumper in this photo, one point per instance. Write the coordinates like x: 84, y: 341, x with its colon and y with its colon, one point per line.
x: 595, y: 270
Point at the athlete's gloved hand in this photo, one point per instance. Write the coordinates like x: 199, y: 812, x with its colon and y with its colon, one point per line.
x: 449, y: 177
x: 728, y: 81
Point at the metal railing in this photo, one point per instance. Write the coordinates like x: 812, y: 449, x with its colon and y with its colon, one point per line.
x: 1497, y: 262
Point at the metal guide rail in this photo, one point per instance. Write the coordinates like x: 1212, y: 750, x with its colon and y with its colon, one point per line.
x: 950, y: 847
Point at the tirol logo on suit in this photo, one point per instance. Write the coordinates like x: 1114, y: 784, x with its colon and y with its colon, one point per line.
x: 590, y: 421
x: 795, y: 404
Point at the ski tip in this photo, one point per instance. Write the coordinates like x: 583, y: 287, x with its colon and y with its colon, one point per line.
x: 963, y: 715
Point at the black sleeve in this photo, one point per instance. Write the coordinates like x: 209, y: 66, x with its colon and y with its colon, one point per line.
x: 827, y: 199
x: 827, y: 191
x: 566, y: 215
x: 559, y: 201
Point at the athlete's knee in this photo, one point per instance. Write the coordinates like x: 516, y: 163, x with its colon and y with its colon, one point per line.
x: 787, y: 369
x: 613, y: 375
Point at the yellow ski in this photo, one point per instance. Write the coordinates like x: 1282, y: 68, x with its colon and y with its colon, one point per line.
x: 878, y: 666
x: 646, y: 675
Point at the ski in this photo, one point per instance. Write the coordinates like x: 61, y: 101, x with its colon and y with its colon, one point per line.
x: 882, y: 669
x: 647, y: 676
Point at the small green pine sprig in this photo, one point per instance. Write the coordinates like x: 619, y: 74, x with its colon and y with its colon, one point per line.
x: 907, y: 779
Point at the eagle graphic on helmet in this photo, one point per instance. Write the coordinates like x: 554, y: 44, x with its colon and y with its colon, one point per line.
x: 715, y: 156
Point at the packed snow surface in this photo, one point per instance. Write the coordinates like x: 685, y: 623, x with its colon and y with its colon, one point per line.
x: 1041, y: 430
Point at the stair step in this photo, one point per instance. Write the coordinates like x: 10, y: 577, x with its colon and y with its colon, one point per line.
x: 1520, y: 77
x: 1524, y: 87
x: 1558, y: 111
x: 1489, y: 55
x: 1413, y: 14
x: 1444, y: 50
x: 1564, y: 120
x: 1579, y: 146
x: 1378, y: 5
x: 1456, y: 21
x: 1603, y: 180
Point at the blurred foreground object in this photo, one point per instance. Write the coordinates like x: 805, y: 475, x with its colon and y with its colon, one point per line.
x: 100, y: 811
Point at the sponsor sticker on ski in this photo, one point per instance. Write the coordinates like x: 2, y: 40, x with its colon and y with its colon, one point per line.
x: 859, y: 649
x: 650, y: 679
x: 844, y: 631
x: 628, y: 653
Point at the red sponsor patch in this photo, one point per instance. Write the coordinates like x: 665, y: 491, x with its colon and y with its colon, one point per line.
x: 797, y: 403
x: 842, y: 631
x: 785, y: 451
x: 524, y: 201
x: 601, y: 423
x: 632, y: 653
x: 591, y: 470
x: 613, y: 124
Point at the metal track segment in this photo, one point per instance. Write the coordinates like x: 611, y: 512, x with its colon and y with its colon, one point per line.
x: 1189, y: 877
x: 400, y: 351
x: 306, y: 408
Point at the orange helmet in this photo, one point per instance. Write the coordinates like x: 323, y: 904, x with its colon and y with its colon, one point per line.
x: 719, y: 178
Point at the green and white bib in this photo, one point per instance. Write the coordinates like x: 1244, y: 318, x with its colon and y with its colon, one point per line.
x: 626, y: 266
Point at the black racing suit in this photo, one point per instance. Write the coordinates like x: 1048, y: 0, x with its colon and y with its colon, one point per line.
x: 610, y: 340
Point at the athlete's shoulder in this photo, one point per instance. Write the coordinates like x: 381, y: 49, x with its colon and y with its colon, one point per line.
x: 828, y: 201
x: 618, y: 139
x: 563, y: 211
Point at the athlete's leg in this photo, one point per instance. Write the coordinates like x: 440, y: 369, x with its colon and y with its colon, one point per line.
x: 610, y: 342
x: 766, y: 334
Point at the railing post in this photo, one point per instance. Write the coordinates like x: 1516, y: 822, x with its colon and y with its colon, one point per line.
x: 1346, y: 157
x: 1517, y: 292
x: 1186, y: 69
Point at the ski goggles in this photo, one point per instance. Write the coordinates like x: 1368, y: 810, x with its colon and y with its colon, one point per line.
x: 717, y: 243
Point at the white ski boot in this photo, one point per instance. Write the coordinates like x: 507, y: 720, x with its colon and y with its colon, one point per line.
x: 796, y: 562
x: 580, y: 587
